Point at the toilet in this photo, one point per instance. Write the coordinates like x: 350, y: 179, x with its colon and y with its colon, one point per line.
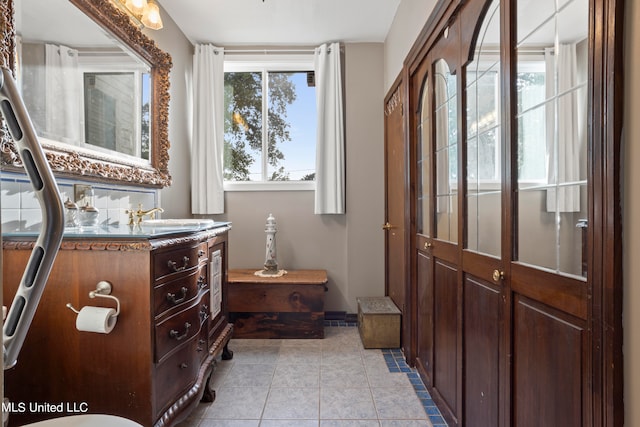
x: 87, y: 420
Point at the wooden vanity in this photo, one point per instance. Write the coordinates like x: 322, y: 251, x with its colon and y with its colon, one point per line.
x: 155, y: 365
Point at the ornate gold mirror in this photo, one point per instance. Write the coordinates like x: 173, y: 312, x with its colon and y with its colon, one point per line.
x: 114, y: 136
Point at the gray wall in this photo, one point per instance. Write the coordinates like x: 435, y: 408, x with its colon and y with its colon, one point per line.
x: 350, y: 247
x: 410, y: 17
x: 176, y: 200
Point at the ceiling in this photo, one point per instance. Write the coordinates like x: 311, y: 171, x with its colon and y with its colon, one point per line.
x: 281, y: 22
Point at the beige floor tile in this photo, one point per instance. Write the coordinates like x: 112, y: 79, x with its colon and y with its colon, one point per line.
x: 330, y: 382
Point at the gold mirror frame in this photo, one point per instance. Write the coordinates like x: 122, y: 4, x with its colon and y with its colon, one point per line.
x: 69, y: 163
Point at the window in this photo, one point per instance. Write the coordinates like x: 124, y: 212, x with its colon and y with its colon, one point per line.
x: 270, y: 121
x: 116, y: 103
x: 532, y: 124
x: 483, y: 124
x: 114, y: 118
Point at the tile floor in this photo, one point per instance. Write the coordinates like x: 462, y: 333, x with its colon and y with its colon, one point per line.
x: 330, y: 382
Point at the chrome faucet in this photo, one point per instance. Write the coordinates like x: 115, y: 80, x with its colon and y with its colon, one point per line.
x: 135, y: 217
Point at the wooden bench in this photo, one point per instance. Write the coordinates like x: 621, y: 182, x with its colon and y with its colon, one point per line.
x: 291, y: 306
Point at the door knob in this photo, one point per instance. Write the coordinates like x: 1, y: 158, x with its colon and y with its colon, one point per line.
x: 498, y: 275
x: 427, y: 245
x: 387, y: 226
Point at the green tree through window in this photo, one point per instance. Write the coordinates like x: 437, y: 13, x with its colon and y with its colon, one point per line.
x: 269, y: 126
x: 243, y: 123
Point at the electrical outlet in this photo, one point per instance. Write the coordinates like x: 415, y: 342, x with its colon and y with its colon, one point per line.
x: 82, y: 194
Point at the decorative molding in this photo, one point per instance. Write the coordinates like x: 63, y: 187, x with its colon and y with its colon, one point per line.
x: 7, y: 32
x: 66, y: 162
x: 393, y: 103
x: 83, y: 245
x: 115, y: 244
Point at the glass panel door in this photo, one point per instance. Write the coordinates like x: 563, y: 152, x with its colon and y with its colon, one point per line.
x: 423, y: 157
x: 552, y: 54
x: 484, y: 167
x: 446, y: 152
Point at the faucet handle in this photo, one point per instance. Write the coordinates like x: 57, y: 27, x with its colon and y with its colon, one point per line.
x: 131, y: 214
x: 151, y: 213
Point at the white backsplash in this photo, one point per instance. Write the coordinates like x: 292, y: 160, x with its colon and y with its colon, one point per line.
x: 19, y: 207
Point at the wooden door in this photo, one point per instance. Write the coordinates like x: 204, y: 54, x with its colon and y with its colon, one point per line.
x: 548, y: 289
x: 483, y: 219
x: 395, y: 187
x: 507, y: 182
x: 437, y: 232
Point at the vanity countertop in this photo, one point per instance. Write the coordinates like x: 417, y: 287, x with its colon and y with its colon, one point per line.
x: 122, y: 231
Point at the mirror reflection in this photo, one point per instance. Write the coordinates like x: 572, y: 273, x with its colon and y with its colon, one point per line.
x: 424, y: 163
x: 446, y: 151
x: 484, y: 173
x: 552, y: 134
x: 80, y: 85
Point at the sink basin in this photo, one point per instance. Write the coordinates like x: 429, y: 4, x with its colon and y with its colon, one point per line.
x: 186, y: 222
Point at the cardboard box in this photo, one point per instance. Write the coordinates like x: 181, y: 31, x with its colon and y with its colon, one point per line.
x: 378, y: 322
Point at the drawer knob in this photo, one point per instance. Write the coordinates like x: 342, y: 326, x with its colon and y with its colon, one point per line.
x: 176, y: 334
x: 201, y: 253
x: 174, y: 265
x: 183, y: 365
x: 201, y: 283
x: 172, y: 297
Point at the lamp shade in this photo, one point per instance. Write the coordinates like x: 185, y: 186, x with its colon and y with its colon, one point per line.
x: 151, y: 16
x: 136, y: 7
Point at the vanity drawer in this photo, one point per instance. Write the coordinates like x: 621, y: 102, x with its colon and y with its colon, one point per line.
x: 182, y: 290
x: 178, y: 260
x: 176, y: 374
x: 181, y: 327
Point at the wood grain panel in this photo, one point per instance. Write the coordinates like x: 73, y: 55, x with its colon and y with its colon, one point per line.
x: 482, y: 311
x: 85, y: 359
x: 251, y: 297
x: 562, y: 292
x: 445, y: 321
x: 395, y: 173
x: 548, y: 363
x: 277, y: 325
x: 424, y: 327
x: 293, y: 277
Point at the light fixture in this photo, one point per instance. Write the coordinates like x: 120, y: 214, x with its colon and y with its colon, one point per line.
x: 143, y: 13
x: 151, y: 16
x: 136, y: 6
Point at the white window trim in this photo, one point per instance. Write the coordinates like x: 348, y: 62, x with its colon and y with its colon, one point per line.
x: 271, y: 62
x: 269, y: 186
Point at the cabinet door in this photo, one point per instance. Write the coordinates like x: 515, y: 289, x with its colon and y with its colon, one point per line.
x: 510, y: 172
x: 549, y: 286
x: 217, y: 279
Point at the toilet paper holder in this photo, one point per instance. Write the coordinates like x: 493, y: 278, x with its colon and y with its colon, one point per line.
x: 103, y: 290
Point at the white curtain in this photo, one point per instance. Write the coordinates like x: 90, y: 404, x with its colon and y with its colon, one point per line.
x: 63, y: 95
x: 207, y: 145
x: 564, y: 138
x: 330, y: 150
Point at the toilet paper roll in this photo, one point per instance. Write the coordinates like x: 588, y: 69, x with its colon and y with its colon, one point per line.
x: 96, y: 319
